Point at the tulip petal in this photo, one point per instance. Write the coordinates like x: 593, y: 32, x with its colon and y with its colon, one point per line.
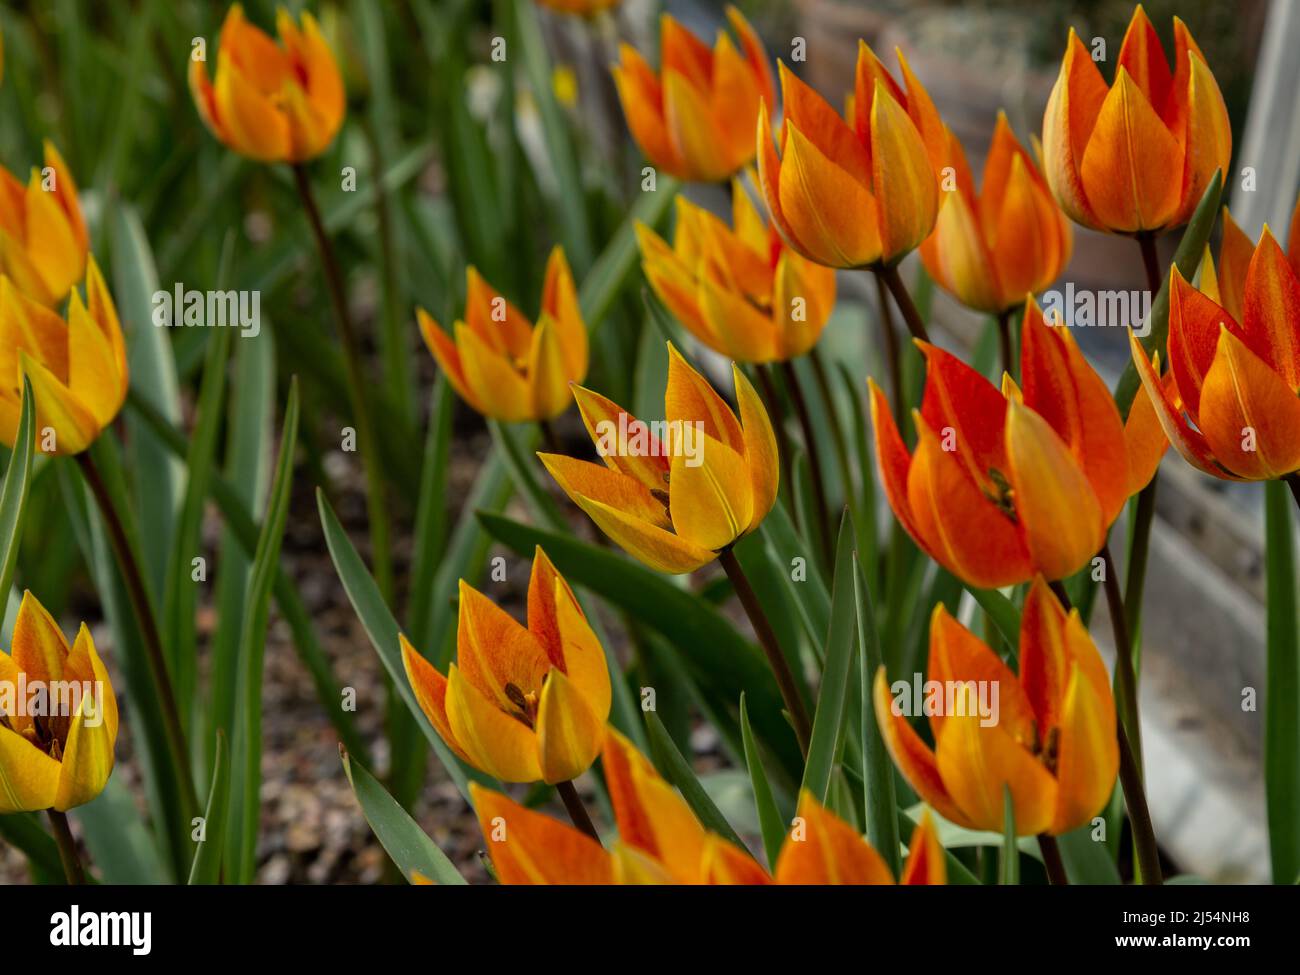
x: 957, y: 258
x: 491, y: 316
x: 693, y: 130
x: 1235, y: 254
x: 502, y: 659
x: 1062, y: 520
x: 569, y: 733
x: 584, y: 658
x: 548, y: 376
x: 733, y: 104
x: 39, y: 648
x: 29, y: 779
x: 1087, y: 759
x: 1271, y: 310
x: 1207, y: 133
x: 1072, y: 110
x: 528, y: 847
x: 642, y: 457
x: 494, y: 741
x: 825, y: 850
x: 904, y: 183
x: 722, y: 863
x: 1128, y: 163
x: 1194, y: 323
x: 712, y: 501
x: 254, y: 125
x: 798, y: 278
x: 1143, y: 57
x: 560, y: 302
x: 493, y: 379
x: 820, y: 124
x: 958, y: 397
x: 739, y: 329
x: 642, y: 96
x: 443, y: 349
x: 430, y: 689
x: 1144, y: 441
x: 832, y: 215
x: 760, y: 447
x: 925, y: 863
x: 978, y: 763
x: 1249, y: 415
x: 87, y: 757
x: 690, y: 399
x: 92, y: 365
x: 53, y: 245
x: 913, y: 757
x: 894, y: 463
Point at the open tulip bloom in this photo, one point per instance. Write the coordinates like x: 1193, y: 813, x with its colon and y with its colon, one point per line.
x: 660, y: 841
x: 43, y: 239
x: 271, y: 102
x: 1004, y: 485
x: 1135, y: 156
x: 1231, y: 408
x: 501, y: 364
x: 53, y: 760
x: 694, y: 117
x: 523, y: 704
x: 675, y: 501
x: 77, y: 367
x: 1053, y: 744
x: 738, y: 289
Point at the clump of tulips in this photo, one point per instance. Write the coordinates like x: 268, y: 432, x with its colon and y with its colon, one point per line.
x: 910, y: 685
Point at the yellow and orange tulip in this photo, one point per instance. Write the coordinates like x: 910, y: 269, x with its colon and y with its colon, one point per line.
x: 43, y: 239
x: 523, y: 704
x: 990, y: 248
x: 499, y: 362
x: 856, y: 193
x: 660, y: 840
x: 1053, y: 746
x: 55, y: 760
x: 694, y: 118
x: 738, y: 289
x: 675, y: 502
x: 77, y: 367
x: 1004, y: 485
x: 1135, y: 157
x: 1229, y: 401
x: 274, y: 102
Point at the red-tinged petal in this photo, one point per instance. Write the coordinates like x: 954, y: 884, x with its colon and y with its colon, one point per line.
x: 1072, y: 111
x: 832, y: 215
x: 958, y: 656
x: 724, y: 864
x: 733, y: 104
x: 894, y: 462
x: 867, y: 72
x: 905, y: 184
x: 956, y: 257
x: 1194, y: 324
x: 560, y: 304
x: 39, y: 648
x: 493, y: 379
x: 921, y: 110
x: 1127, y: 166
x: 693, y: 130
x: 1142, y: 56
x: 797, y: 278
x: 925, y: 864
x: 1087, y: 757
x: 1062, y: 388
x: 738, y: 329
x: 1235, y: 254
x: 970, y: 534
x: 1187, y: 440
x: 249, y: 117
x: 821, y: 125
x: 823, y: 849
x: 569, y: 732
x: 497, y: 323
x: 959, y: 399
x: 1207, y: 137
x: 769, y: 183
x: 443, y: 349
x: 913, y: 757
x: 683, y: 52
x: 1271, y: 310
x: 642, y: 96
x: 1249, y: 414
x: 527, y: 847
x: 755, y: 53
x: 642, y: 457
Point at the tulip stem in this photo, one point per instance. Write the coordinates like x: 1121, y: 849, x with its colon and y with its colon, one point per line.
x: 177, y: 749
x: 68, y: 855
x: 1135, y: 581
x: 1004, y: 342
x: 1150, y: 261
x: 890, y: 341
x: 1052, y: 861
x: 376, y: 509
x: 904, y: 301
x: 577, y: 811
x: 1293, y: 482
x: 814, y: 461
x: 1129, y: 728
x: 767, y: 640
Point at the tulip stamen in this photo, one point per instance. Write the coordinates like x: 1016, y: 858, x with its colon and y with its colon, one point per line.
x: 1051, y: 749
x: 1004, y: 495
x: 526, y: 703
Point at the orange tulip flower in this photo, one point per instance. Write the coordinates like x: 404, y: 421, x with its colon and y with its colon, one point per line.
x: 1227, y: 284
x: 1229, y: 405
x: 740, y: 291
x: 503, y: 366
x: 660, y: 841
x: 521, y: 704
x: 1135, y: 157
x: 1053, y: 742
x: 584, y: 8
x: 856, y: 193
x: 271, y: 102
x: 823, y: 850
x: 61, y: 757
x: 695, y: 118
x: 674, y: 501
x: 76, y: 365
x: 990, y: 248
x: 43, y: 239
x: 1005, y: 485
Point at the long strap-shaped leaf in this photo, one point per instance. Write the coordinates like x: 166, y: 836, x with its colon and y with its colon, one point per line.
x: 13, y: 496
